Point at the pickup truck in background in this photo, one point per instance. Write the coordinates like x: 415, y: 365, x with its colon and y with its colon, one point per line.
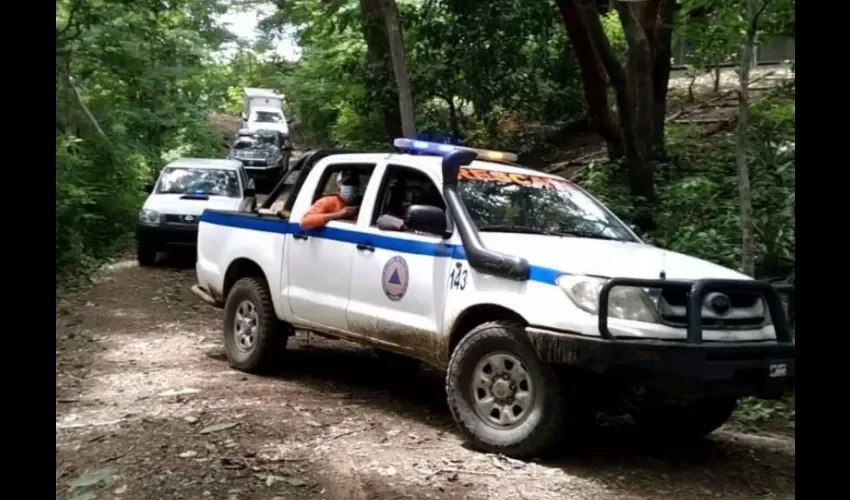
x: 263, y: 153
x: 263, y: 110
x: 542, y: 305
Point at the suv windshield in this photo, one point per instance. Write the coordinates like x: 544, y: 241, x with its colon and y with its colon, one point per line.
x: 507, y: 202
x: 245, y: 142
x: 267, y: 117
x: 214, y: 182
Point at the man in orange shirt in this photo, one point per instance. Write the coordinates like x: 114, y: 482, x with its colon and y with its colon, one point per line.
x: 337, y: 206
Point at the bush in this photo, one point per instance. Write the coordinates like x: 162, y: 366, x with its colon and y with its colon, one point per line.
x: 698, y: 212
x: 98, y: 193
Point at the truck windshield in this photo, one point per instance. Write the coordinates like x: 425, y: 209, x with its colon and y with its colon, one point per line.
x: 208, y: 181
x: 268, y: 117
x: 508, y: 202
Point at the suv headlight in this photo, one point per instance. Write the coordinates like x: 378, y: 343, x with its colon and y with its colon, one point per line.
x: 149, y: 216
x: 623, y: 302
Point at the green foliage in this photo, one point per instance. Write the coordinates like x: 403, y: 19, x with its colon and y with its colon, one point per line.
x: 95, y: 206
x: 698, y: 210
x: 503, y: 66
x: 614, y: 31
x: 712, y: 39
x: 753, y: 411
x: 714, y: 30
x: 133, y: 90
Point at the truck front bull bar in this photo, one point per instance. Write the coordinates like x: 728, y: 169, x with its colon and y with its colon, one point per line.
x: 697, y: 291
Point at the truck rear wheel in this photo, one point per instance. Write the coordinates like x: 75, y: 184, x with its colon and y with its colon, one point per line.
x: 501, y: 395
x: 253, y: 336
x: 683, y: 423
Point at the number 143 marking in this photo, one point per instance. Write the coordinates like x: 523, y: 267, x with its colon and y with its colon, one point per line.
x: 457, y: 278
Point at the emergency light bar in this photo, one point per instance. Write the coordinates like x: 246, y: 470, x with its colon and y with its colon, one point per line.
x: 436, y: 148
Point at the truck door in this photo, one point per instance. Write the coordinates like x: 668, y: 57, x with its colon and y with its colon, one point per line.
x: 399, y: 278
x: 318, y: 262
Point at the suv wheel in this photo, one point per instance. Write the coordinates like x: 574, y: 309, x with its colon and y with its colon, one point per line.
x: 145, y: 254
x: 253, y: 336
x: 502, y: 396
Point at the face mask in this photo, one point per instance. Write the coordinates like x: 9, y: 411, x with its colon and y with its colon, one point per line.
x: 348, y: 193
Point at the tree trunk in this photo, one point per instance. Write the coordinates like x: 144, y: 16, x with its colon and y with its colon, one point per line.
x: 405, y: 94
x: 716, y: 78
x: 453, y: 118
x: 593, y: 83
x: 744, y: 190
x: 640, y: 89
x: 661, y: 75
x: 633, y: 110
x: 381, y: 81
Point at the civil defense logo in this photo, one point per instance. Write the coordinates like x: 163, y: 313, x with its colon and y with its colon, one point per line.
x: 395, y: 278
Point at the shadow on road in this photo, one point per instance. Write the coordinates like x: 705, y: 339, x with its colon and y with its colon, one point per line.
x: 726, y: 464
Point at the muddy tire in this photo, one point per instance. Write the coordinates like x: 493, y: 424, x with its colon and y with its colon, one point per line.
x: 254, y: 339
x: 681, y: 424
x: 503, y: 398
x: 145, y: 254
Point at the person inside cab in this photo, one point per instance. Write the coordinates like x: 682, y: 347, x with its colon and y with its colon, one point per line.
x: 401, y: 198
x: 337, y: 206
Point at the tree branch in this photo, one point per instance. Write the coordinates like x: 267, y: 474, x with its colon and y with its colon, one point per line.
x: 86, y: 109
x: 754, y: 23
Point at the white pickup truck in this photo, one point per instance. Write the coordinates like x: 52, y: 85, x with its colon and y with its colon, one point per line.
x: 543, y: 307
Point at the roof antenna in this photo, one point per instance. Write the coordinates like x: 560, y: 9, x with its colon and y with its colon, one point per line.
x: 663, y: 275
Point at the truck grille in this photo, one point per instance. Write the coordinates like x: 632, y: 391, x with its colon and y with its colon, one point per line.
x: 747, y: 311
x: 181, y: 219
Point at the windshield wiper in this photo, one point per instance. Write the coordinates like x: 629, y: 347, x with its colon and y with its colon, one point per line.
x: 507, y: 228
x: 587, y: 234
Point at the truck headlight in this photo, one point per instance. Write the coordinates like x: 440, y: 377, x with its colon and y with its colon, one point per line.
x: 623, y: 302
x: 149, y: 217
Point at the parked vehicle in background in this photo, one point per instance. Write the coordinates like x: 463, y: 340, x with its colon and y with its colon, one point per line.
x: 263, y: 110
x: 185, y: 188
x: 261, y: 152
x: 268, y: 119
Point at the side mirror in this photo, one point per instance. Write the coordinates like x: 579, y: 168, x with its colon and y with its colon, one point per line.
x: 637, y: 230
x: 249, y: 192
x: 149, y: 187
x: 426, y: 218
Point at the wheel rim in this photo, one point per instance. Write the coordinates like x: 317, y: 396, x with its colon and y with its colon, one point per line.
x: 502, y: 390
x: 245, y: 325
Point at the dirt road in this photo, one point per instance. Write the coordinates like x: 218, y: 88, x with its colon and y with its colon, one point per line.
x: 147, y: 408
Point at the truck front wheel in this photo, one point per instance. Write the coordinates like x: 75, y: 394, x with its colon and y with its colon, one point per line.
x: 686, y: 422
x: 253, y: 336
x: 145, y: 254
x: 503, y: 398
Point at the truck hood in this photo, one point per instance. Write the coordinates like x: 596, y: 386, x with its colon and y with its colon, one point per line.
x: 259, y: 152
x: 605, y: 258
x: 172, y: 204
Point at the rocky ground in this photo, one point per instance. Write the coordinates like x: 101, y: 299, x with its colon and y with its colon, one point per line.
x: 146, y: 407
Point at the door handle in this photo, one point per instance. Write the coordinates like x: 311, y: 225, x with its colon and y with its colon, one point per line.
x: 299, y: 236
x: 365, y: 247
